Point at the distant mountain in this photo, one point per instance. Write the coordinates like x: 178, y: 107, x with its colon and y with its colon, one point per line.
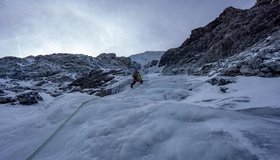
x: 234, y: 32
x: 148, y: 60
x: 144, y: 58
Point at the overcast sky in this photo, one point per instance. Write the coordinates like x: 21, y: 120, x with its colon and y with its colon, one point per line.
x: 125, y: 27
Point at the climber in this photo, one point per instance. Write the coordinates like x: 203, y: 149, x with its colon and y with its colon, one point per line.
x: 136, y: 78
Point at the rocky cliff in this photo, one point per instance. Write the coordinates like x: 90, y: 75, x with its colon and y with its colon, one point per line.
x: 233, y: 32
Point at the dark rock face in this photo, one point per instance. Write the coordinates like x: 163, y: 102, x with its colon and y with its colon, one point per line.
x: 232, y: 32
x: 29, y: 98
x: 4, y: 100
x: 223, y: 89
x: 2, y: 93
x: 102, y: 93
x: 265, y: 2
x: 96, y: 78
x: 107, y: 56
x: 219, y: 81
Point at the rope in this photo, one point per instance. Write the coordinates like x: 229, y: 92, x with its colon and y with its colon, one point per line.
x: 56, y: 131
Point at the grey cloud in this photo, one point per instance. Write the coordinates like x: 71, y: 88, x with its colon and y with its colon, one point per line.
x: 95, y: 26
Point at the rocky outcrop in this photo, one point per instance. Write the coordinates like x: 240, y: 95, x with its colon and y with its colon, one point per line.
x: 96, y: 78
x: 265, y: 2
x: 263, y: 59
x: 56, y: 74
x: 29, y: 98
x: 2, y: 93
x: 107, y: 56
x: 111, y: 61
x: 4, y: 100
x: 113, y: 89
x: 269, y: 69
x: 60, y: 68
x: 232, y: 32
x: 219, y: 81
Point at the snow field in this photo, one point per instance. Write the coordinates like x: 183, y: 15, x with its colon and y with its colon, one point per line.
x: 167, y: 117
x: 24, y: 128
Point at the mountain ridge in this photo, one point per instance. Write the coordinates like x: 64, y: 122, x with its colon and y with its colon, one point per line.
x: 232, y: 32
x: 60, y: 73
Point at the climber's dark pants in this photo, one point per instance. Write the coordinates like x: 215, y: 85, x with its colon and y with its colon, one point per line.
x: 132, y: 84
x: 134, y: 81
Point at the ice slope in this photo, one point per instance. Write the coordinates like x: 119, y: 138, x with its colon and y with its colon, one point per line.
x: 167, y: 117
x: 23, y: 128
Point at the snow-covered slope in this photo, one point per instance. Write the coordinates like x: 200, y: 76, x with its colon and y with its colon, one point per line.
x: 148, y: 60
x: 144, y: 58
x: 167, y: 117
